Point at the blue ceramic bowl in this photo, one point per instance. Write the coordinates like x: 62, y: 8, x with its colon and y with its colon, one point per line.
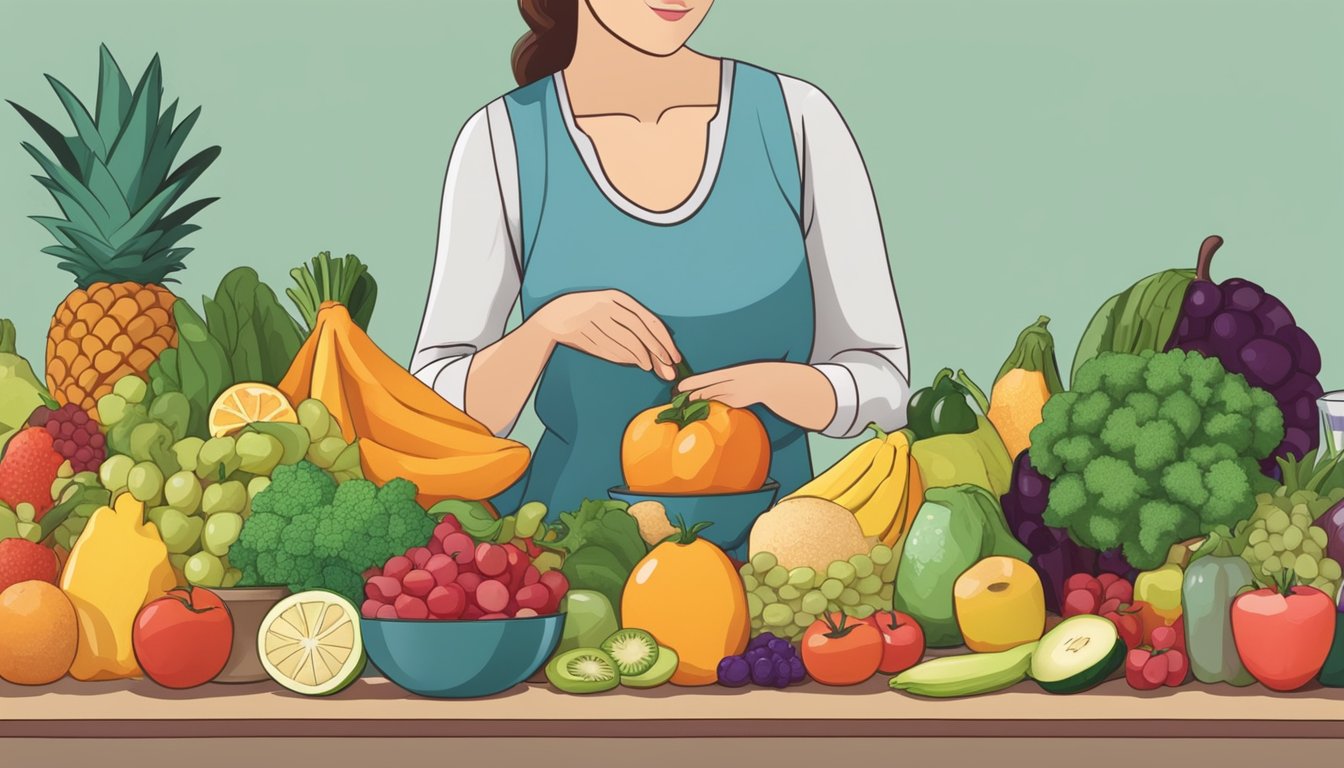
x: 732, y: 514
x: 461, y: 659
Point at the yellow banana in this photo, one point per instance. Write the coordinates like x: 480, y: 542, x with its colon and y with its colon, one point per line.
x: 843, y: 474
x: 878, y: 514
x: 858, y: 494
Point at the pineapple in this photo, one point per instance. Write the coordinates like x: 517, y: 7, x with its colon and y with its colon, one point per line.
x: 115, y: 184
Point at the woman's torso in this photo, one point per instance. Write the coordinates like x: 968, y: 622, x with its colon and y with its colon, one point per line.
x: 726, y: 271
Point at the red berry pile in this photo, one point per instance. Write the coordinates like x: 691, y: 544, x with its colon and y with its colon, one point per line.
x: 453, y: 577
x: 1112, y: 597
x: 1160, y: 663
x: 75, y: 435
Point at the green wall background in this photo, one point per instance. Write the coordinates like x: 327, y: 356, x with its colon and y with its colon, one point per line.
x: 1030, y: 157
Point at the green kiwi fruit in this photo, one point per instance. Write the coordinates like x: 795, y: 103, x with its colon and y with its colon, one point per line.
x: 633, y: 650
x: 583, y: 670
x: 659, y: 673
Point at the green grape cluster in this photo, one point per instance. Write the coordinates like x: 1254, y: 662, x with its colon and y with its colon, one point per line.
x: 1280, y: 535
x: 20, y: 522
x: 199, y: 492
x: 69, y: 529
x: 785, y: 602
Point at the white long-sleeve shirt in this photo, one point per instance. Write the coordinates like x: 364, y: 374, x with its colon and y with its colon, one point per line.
x: 859, y: 340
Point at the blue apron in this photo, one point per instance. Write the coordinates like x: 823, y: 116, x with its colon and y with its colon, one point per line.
x: 731, y: 282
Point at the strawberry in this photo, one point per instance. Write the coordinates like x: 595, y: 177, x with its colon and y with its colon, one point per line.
x: 22, y: 560
x: 29, y: 469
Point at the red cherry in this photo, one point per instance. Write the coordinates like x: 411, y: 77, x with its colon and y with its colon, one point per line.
x: 434, y: 546
x: 525, y: 613
x: 397, y: 566
x: 1110, y: 605
x: 1077, y: 602
x: 446, y: 527
x: 492, y: 596
x: 409, y: 607
x: 419, y: 556
x: 531, y: 575
x: 469, y: 582
x: 534, y: 596
x: 1155, y: 671
x: 1120, y: 590
x: 1178, y: 667
x: 443, y: 568
x: 418, y: 583
x: 472, y: 612
x: 386, y: 611
x: 1136, y: 661
x: 460, y: 547
x: 447, y: 602
x: 383, y: 588
x: 1163, y: 638
x: 491, y: 559
x: 369, y: 609
x: 1082, y: 581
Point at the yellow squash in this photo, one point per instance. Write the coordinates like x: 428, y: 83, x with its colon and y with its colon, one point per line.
x: 1027, y: 379
x: 118, y: 565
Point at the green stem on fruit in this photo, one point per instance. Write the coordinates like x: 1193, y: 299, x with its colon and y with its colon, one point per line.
x: 878, y: 431
x: 685, y: 535
x: 8, y: 338
x: 977, y: 393
x: 1207, y: 248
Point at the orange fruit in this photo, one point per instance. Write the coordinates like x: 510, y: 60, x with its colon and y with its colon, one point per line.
x: 243, y: 404
x: 38, y: 633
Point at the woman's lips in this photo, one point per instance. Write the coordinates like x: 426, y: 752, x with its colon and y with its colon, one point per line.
x: 670, y: 14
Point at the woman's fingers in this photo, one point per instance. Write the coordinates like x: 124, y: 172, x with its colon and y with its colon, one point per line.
x: 625, y: 339
x: 660, y: 339
x: 659, y: 357
x: 602, y: 346
x: 704, y: 380
x: 725, y: 393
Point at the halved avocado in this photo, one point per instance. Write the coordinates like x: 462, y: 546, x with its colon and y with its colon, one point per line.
x: 1078, y: 654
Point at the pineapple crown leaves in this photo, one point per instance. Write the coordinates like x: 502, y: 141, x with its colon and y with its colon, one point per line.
x: 114, y: 179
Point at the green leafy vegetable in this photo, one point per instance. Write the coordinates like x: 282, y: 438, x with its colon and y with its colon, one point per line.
x: 260, y: 337
x: 203, y: 369
x: 602, y: 545
x: 1151, y: 449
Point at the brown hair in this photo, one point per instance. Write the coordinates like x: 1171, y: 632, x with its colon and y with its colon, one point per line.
x: 548, y: 46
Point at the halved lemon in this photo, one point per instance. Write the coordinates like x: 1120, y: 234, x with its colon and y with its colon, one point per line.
x: 243, y: 404
x: 311, y: 643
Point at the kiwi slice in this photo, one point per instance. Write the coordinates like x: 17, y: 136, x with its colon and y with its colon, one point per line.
x: 583, y: 670
x: 659, y: 673
x: 633, y: 650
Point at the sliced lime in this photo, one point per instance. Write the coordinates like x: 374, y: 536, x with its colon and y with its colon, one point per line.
x: 311, y: 643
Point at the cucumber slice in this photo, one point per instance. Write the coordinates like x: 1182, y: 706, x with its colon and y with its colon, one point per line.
x: 661, y: 671
x: 1078, y: 654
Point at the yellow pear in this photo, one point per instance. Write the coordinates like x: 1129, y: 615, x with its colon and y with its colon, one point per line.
x: 1000, y: 604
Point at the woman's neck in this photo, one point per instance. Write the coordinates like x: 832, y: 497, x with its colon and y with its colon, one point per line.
x: 609, y: 76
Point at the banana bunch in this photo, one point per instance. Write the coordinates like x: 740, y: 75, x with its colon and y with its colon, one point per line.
x: 878, y: 481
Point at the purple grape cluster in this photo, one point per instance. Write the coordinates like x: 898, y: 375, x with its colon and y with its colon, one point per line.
x: 1253, y: 333
x: 76, y: 436
x: 769, y: 661
x: 1054, y: 556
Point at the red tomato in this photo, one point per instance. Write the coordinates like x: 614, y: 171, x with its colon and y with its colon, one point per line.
x: 183, y: 639
x: 838, y: 650
x: 1283, y: 636
x: 902, y: 641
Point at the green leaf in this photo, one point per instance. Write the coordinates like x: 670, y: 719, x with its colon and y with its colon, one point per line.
x: 202, y: 363
x: 104, y: 187
x: 80, y: 118
x: 72, y: 210
x: 114, y: 96
x: 128, y: 153
x: 54, y: 139
x: 164, y: 200
x: 55, y: 227
x: 71, y: 187
x: 151, y: 174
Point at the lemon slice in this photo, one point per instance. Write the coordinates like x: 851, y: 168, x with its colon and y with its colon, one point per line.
x: 243, y: 404
x: 311, y: 643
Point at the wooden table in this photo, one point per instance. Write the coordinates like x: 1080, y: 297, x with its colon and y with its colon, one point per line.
x: 138, y: 714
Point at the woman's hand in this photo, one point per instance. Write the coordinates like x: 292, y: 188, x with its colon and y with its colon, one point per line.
x: 612, y: 326
x: 795, y: 392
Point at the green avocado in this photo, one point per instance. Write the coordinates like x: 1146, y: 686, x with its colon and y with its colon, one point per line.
x: 955, y: 528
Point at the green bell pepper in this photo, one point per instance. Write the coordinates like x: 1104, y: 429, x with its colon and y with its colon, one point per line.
x: 941, y: 408
x: 1213, y: 579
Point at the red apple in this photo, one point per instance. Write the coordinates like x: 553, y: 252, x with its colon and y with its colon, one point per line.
x: 183, y: 639
x: 902, y: 641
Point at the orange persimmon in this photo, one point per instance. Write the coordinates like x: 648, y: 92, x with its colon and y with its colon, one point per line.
x: 695, y: 447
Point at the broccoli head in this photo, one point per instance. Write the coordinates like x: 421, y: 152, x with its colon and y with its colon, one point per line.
x: 306, y: 532
x: 1151, y: 449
